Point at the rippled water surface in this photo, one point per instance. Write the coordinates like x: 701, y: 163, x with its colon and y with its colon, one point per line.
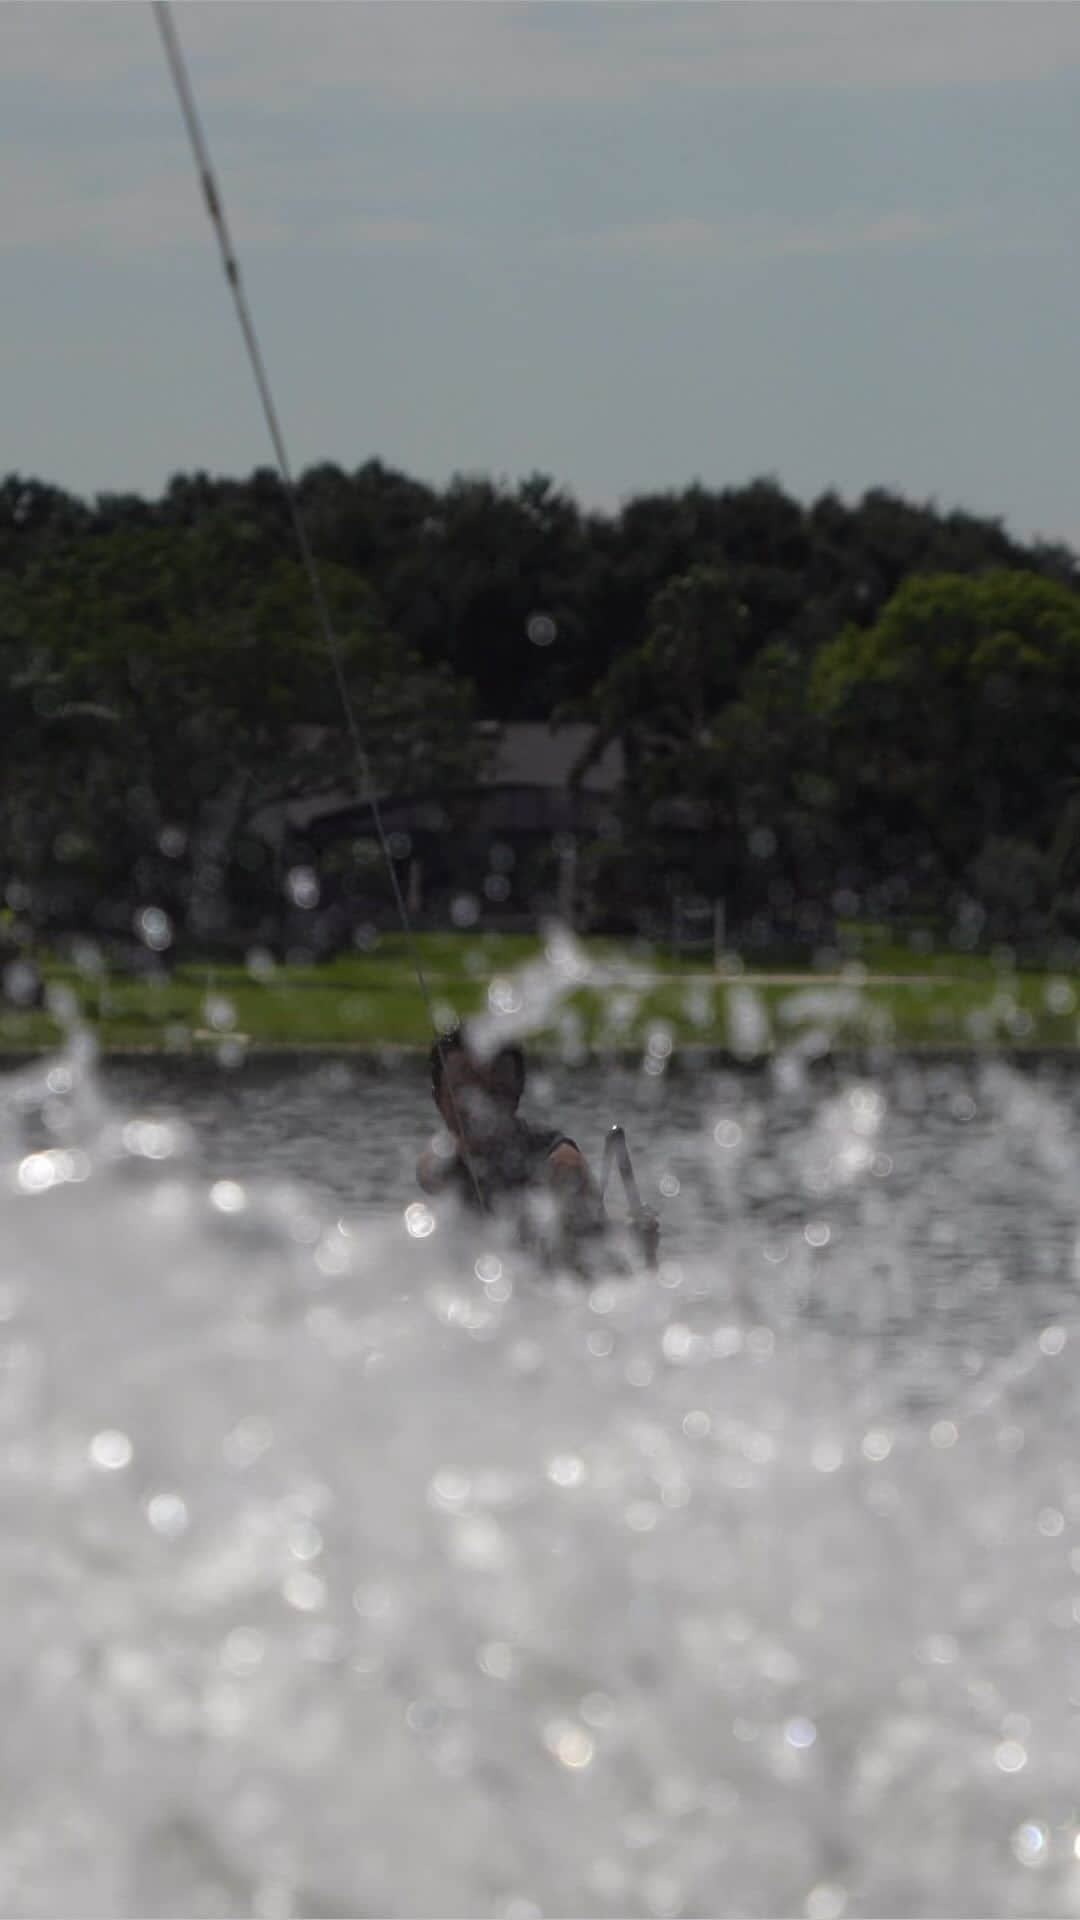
x: 353, y: 1572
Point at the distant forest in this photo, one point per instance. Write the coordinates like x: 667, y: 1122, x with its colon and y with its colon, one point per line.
x: 867, y: 709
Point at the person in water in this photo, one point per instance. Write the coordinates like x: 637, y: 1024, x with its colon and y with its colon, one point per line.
x: 491, y: 1159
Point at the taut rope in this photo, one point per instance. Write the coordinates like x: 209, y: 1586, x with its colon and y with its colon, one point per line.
x: 215, y: 207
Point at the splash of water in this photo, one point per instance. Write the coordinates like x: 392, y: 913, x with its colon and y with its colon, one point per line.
x: 364, y: 1572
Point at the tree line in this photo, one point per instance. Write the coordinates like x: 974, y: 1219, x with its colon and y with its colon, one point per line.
x: 867, y: 708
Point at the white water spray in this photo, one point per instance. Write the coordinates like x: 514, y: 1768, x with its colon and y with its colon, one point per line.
x: 362, y: 1571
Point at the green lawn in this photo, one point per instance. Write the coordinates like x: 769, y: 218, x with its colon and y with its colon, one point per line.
x: 367, y: 1000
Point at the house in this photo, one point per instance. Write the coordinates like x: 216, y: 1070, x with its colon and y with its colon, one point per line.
x: 531, y: 789
x: 505, y: 844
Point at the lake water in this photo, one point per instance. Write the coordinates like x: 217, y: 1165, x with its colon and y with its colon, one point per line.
x: 351, y: 1570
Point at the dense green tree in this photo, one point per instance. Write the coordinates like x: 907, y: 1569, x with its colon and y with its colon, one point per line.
x: 158, y: 664
x: 956, y: 716
x: 722, y: 752
x: 662, y: 698
x: 162, y: 695
x: 488, y: 560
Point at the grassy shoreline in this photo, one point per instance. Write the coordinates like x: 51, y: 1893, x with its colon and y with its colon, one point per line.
x: 365, y: 1003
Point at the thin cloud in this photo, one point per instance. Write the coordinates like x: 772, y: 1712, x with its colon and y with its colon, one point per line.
x: 279, y: 56
x: 688, y: 241
x: 160, y: 214
x: 122, y: 203
x: 386, y: 233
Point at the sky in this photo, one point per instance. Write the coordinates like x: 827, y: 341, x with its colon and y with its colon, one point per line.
x: 627, y: 245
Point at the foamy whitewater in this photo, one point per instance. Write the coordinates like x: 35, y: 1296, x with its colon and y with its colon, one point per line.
x: 351, y: 1568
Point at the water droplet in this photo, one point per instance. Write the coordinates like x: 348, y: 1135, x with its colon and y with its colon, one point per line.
x: 937, y: 1650
x: 496, y: 1660
x: 149, y: 1139
x: 800, y: 1734
x: 302, y: 887
x: 111, y: 1450
x: 228, y: 1196
x: 87, y: 957
x: 566, y: 1470
x: 598, y: 1709
x: 1060, y: 997
x: 450, y: 1488
x: 570, y: 1745
x: 541, y: 629
x: 304, y: 1591
x: 219, y: 1013
x: 21, y: 982
x: 168, y: 1515
x: 1031, y: 1843
x: 305, y: 1540
x: 37, y: 1173
x: 504, y: 997
x: 154, y: 928
x: 679, y: 1344
x: 419, y: 1220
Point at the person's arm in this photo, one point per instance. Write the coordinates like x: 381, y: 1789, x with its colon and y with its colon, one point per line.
x: 574, y: 1188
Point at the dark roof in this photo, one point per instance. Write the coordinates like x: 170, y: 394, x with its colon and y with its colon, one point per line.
x: 528, y: 756
x: 532, y: 754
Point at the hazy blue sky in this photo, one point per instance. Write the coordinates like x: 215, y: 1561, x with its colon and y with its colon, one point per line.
x: 629, y: 245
